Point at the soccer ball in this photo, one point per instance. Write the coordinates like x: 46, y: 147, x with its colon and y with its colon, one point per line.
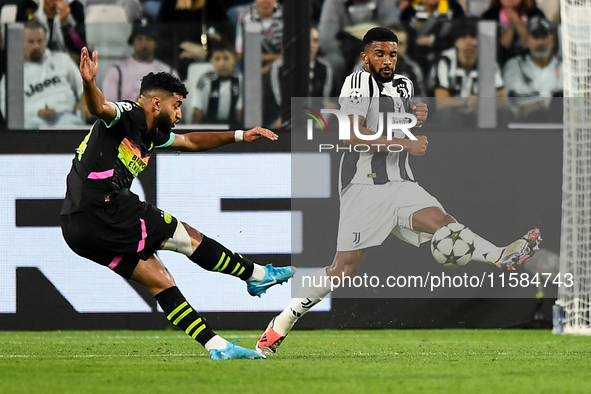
x: 453, y: 245
x: 355, y: 97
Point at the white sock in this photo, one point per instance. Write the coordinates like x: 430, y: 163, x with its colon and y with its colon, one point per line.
x: 216, y: 342
x: 258, y: 273
x: 485, y: 252
x: 300, y: 305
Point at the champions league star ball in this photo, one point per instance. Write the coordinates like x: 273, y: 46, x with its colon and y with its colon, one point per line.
x: 453, y: 245
x: 355, y: 97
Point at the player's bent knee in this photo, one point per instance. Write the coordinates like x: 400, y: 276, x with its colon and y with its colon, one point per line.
x: 180, y: 241
x: 153, y: 275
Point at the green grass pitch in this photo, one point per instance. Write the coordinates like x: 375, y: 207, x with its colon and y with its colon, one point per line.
x: 335, y: 361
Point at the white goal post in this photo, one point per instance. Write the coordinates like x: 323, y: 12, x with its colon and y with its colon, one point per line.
x: 575, y: 244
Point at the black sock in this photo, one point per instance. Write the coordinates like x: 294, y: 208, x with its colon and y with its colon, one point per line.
x: 213, y: 256
x: 180, y: 313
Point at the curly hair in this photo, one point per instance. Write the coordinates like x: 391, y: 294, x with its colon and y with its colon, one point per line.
x: 163, y: 81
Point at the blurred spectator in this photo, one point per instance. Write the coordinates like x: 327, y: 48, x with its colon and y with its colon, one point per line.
x: 406, y: 66
x: 63, y: 20
x: 269, y: 15
x: 53, y: 87
x: 151, y: 9
x: 218, y: 98
x: 429, y: 23
x: 233, y: 8
x: 133, y: 8
x: 337, y: 16
x: 550, y: 8
x: 320, y: 84
x: 122, y: 81
x: 512, y: 16
x: 536, y: 76
x: 187, y: 24
x: 454, y: 77
x: 316, y: 11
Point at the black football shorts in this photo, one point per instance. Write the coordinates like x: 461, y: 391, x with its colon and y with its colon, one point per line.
x: 119, y: 235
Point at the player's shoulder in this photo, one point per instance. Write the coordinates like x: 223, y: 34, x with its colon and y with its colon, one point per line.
x: 359, y: 80
x: 131, y: 110
x: 403, y: 85
x: 399, y: 78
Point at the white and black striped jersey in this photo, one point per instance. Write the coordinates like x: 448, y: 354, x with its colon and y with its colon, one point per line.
x: 218, y: 99
x: 529, y: 82
x: 361, y: 94
x: 449, y: 74
x: 271, y: 28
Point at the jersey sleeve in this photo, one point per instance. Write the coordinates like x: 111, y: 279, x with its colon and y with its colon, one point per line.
x: 355, y: 94
x: 129, y: 115
x: 163, y: 140
x: 117, y: 116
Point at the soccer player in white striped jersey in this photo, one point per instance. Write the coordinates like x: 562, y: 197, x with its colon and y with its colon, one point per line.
x: 378, y: 193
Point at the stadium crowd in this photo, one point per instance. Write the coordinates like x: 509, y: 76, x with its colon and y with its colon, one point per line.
x: 202, y: 42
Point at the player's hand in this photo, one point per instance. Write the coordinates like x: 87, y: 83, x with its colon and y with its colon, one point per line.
x: 47, y: 114
x: 258, y: 132
x: 88, y: 66
x: 421, y: 111
x: 418, y: 147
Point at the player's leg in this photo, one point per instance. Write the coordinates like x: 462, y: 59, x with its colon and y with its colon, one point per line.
x: 345, y: 264
x: 155, y: 277
x: 213, y: 256
x: 431, y: 219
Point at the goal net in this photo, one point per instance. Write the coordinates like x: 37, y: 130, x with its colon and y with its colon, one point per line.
x: 575, y: 245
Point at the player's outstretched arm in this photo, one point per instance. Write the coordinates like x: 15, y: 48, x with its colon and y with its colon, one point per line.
x: 93, y: 97
x: 200, y: 141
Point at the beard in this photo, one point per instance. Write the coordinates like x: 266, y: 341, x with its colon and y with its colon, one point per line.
x: 164, y: 122
x: 36, y: 56
x: 378, y: 76
x: 541, y: 52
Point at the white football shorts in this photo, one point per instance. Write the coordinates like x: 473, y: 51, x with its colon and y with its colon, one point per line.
x: 369, y: 213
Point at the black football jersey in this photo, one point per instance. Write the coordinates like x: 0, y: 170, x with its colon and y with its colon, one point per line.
x: 110, y: 157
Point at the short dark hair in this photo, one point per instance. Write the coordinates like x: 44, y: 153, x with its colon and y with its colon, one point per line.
x: 35, y: 25
x: 379, y: 34
x: 464, y: 27
x: 163, y: 81
x: 220, y: 46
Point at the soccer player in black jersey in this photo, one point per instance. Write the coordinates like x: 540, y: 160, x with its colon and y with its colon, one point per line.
x: 106, y: 223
